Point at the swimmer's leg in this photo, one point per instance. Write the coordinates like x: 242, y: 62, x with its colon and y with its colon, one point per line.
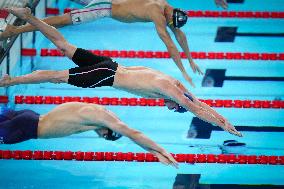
x: 137, y: 68
x: 56, y: 21
x: 20, y: 127
x: 39, y: 76
x: 49, y: 31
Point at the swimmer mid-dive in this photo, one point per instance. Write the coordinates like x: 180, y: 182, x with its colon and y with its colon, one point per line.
x: 219, y: 3
x: 157, y: 11
x: 71, y: 118
x: 96, y: 71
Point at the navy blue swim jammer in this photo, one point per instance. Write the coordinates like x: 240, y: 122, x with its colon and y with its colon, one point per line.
x: 18, y: 126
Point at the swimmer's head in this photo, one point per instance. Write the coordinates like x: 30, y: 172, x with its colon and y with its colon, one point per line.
x: 108, y: 134
x: 175, y: 106
x: 179, y: 18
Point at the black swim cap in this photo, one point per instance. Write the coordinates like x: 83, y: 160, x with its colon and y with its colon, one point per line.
x: 111, y: 135
x: 179, y: 18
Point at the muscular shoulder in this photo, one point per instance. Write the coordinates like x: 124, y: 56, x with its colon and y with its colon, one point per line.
x: 156, y: 10
x: 87, y: 109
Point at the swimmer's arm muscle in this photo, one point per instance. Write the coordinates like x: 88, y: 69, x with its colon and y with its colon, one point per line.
x: 177, y: 95
x: 182, y: 40
x: 143, y: 141
x: 211, y: 110
x: 112, y: 122
x: 201, y: 104
x: 181, y: 87
x: 160, y: 24
x: 202, y: 111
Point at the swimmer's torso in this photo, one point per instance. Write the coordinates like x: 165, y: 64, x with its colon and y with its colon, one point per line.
x: 67, y: 118
x: 139, y: 80
x: 136, y: 10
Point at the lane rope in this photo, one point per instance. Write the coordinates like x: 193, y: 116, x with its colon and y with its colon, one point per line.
x: 207, y: 13
x: 163, y: 54
x: 125, y: 101
x: 138, y: 157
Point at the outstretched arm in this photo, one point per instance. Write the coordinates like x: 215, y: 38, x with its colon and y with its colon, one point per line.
x: 181, y: 38
x: 199, y: 103
x: 161, y: 28
x: 201, y: 110
x: 56, y: 21
x: 112, y: 122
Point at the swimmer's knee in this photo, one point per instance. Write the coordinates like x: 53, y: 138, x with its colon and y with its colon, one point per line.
x: 65, y: 19
x: 60, y: 76
x: 66, y: 48
x: 63, y: 45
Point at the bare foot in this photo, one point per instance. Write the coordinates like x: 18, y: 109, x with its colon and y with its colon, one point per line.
x: 5, y: 81
x: 22, y: 13
x: 10, y: 31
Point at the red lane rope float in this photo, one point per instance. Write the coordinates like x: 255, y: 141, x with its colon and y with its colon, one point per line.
x: 28, y: 52
x: 139, y: 157
x: 235, y: 14
x: 4, y: 99
x: 164, y: 54
x: 115, y: 101
x: 199, y: 13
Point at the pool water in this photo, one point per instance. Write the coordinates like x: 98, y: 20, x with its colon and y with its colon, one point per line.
x: 165, y: 127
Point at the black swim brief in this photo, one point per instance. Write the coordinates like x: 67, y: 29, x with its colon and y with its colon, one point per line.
x: 18, y: 126
x: 93, y: 71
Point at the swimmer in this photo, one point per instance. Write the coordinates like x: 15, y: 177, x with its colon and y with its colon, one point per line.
x: 97, y: 71
x: 71, y: 118
x: 219, y: 3
x: 157, y: 11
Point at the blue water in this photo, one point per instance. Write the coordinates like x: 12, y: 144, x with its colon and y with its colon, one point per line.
x: 165, y: 127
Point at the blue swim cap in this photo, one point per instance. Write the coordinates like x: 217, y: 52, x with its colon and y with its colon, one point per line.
x: 182, y: 109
